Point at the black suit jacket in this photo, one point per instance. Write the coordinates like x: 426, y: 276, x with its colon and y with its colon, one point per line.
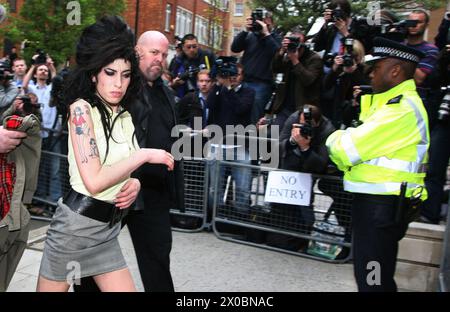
x: 156, y: 181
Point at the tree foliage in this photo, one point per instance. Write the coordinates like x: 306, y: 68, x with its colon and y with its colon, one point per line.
x: 43, y: 24
x: 290, y: 13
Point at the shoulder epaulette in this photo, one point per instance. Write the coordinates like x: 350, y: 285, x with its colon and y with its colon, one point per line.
x: 395, y: 100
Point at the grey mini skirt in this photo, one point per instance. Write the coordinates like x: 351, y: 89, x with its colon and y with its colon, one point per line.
x: 78, y: 246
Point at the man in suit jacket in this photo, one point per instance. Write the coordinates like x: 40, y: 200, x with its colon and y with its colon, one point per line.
x: 154, y: 117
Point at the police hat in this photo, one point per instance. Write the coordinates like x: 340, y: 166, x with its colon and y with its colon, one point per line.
x: 385, y: 48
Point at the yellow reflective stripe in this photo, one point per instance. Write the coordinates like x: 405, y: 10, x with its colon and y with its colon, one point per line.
x: 422, y: 147
x: 397, y: 164
x: 375, y: 188
x: 350, y: 148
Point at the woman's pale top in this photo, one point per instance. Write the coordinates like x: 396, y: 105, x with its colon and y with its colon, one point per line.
x: 121, y: 145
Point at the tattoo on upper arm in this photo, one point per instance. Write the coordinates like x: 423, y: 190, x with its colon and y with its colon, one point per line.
x: 82, y: 131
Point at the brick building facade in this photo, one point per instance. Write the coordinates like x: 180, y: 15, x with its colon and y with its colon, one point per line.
x: 174, y: 17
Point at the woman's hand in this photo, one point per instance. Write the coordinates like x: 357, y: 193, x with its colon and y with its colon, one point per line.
x: 159, y: 156
x: 128, y: 194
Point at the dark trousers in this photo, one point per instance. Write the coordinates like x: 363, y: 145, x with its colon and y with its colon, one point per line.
x: 375, y: 238
x: 151, y: 234
x: 437, y: 171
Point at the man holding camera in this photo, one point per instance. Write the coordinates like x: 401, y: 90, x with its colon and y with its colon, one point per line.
x: 302, y: 149
x: 230, y: 103
x: 335, y: 29
x: 188, y: 64
x: 383, y: 161
x: 42, y: 69
x: 8, y: 91
x: 259, y: 44
x: 302, y: 72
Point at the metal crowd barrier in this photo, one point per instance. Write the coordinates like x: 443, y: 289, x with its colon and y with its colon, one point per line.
x: 53, y: 176
x: 194, y: 217
x: 321, y: 231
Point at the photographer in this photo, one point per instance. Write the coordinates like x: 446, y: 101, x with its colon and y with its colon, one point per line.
x: 259, y: 43
x: 302, y: 149
x: 302, y: 72
x: 439, y: 142
x: 302, y: 141
x: 335, y: 29
x: 25, y: 105
x: 229, y: 104
x: 42, y: 70
x: 186, y: 65
x: 346, y: 72
x: 8, y: 91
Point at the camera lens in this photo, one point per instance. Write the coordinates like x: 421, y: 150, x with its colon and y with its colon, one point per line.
x: 444, y: 108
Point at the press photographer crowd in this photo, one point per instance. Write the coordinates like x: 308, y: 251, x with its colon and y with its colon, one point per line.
x: 367, y: 105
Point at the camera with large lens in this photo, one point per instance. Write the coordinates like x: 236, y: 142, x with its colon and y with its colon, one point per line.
x: 226, y: 66
x: 348, y: 56
x: 328, y: 59
x: 27, y: 105
x: 294, y: 44
x: 444, y: 108
x: 306, y: 128
x: 338, y: 14
x: 257, y: 15
x: 4, y: 68
x: 41, y: 58
x: 191, y: 72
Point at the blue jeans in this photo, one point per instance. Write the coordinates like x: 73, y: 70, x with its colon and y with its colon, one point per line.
x: 437, y: 170
x: 263, y: 92
x: 242, y: 177
x: 49, y: 183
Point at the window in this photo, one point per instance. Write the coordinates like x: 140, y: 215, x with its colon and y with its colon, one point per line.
x: 220, y: 4
x: 238, y: 9
x: 12, y: 6
x: 201, y: 30
x: 184, y: 22
x: 216, y: 36
x: 168, y: 15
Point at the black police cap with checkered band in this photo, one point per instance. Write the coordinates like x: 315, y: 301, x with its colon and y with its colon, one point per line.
x: 385, y: 48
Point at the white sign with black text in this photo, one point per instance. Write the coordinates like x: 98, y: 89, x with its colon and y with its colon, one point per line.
x: 286, y: 187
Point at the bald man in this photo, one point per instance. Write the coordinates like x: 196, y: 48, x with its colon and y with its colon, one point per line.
x: 161, y: 190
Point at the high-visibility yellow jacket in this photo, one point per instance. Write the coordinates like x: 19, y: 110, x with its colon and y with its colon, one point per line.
x: 388, y: 148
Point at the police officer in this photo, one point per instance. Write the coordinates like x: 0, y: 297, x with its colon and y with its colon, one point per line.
x: 386, y: 150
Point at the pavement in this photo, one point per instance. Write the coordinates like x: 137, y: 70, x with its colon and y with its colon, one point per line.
x: 201, y: 262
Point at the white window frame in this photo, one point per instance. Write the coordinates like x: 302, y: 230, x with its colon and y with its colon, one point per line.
x: 201, y: 29
x: 168, y: 16
x: 241, y: 12
x: 184, y: 22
